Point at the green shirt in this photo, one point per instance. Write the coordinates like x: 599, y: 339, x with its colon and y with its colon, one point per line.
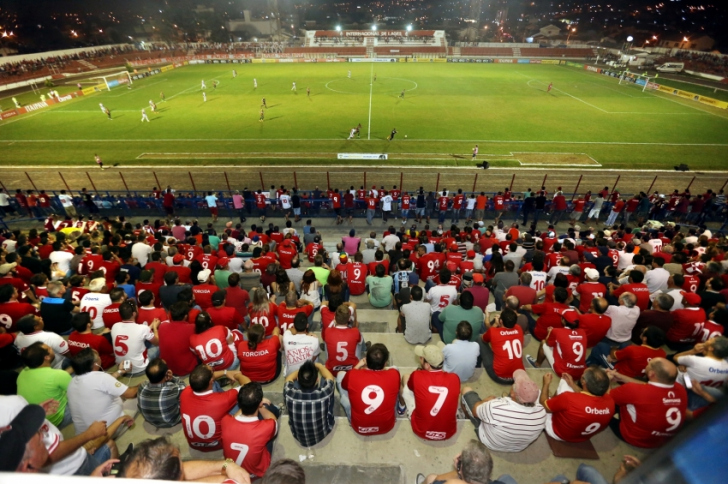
x: 214, y: 241
x: 41, y: 384
x: 380, y: 290
x: 221, y: 278
x: 322, y: 275
x: 452, y: 315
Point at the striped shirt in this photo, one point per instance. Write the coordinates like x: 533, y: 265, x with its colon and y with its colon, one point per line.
x: 507, y: 426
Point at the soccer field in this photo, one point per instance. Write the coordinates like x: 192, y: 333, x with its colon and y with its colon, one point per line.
x: 587, y: 120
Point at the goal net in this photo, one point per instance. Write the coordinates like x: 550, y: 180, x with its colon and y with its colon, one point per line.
x: 115, y: 80
x: 641, y: 80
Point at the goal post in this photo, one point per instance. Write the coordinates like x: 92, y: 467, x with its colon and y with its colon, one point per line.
x: 116, y: 79
x: 643, y: 80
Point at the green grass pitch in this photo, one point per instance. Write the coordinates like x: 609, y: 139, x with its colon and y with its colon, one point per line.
x: 446, y: 110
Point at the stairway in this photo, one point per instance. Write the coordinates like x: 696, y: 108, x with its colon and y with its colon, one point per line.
x: 369, y: 43
x: 456, y: 51
x: 87, y: 64
x: 517, y: 51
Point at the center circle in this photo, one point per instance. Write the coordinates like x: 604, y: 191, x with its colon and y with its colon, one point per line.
x: 391, y: 85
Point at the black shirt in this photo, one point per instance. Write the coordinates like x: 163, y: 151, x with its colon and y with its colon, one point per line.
x: 56, y: 314
x: 540, y: 202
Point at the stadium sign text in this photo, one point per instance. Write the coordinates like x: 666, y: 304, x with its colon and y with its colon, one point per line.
x: 362, y: 156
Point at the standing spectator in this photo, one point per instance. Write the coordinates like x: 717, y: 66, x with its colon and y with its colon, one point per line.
x: 504, y: 355
x: 309, y: 397
x: 40, y: 382
x: 239, y: 205
x: 558, y: 208
x: 159, y: 398
x: 461, y: 356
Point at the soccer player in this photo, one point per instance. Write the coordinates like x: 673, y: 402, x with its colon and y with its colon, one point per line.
x: 235, y: 73
x: 255, y: 84
x: 402, y: 95
x: 351, y: 133
x: 391, y: 135
x: 263, y: 104
x: 214, y: 84
x: 144, y: 116
x: 204, y: 97
x: 358, y: 130
x: 161, y: 96
x: 308, y: 91
x: 550, y: 86
x: 262, y: 116
x: 153, y: 106
x: 97, y: 158
x: 375, y: 77
x: 103, y: 108
x: 348, y: 74
x: 203, y: 85
x: 294, y: 88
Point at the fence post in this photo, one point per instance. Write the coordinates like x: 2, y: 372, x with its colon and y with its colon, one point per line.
x: 92, y: 182
x: 328, y: 180
x: 653, y: 184
x: 577, y: 187
x: 615, y: 183
x: 721, y: 188
x: 543, y: 183
x: 437, y: 186
x: 475, y: 181
x: 262, y: 185
x: 510, y: 188
x: 31, y: 181
x: 159, y: 185
x: 64, y: 182
x: 691, y: 182
x: 194, y: 188
x: 401, y: 181
x: 227, y: 181
x: 365, y: 180
x: 3, y: 185
x: 124, y: 181
x: 295, y: 180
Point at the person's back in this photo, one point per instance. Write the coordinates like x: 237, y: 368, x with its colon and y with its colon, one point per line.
x: 158, y: 398
x: 174, y: 338
x: 380, y: 288
x: 310, y: 403
x: 436, y: 396
x: 39, y: 382
x: 417, y: 318
x: 452, y: 315
x: 461, y: 356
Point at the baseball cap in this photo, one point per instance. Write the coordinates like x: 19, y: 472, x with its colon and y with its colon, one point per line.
x: 477, y: 278
x: 217, y: 298
x: 15, y: 437
x: 5, y: 268
x: 591, y: 273
x: 470, y: 254
x: 570, y: 315
x: 178, y: 258
x: 525, y: 389
x: 223, y: 261
x: 691, y: 298
x: 343, y: 258
x: 204, y: 275
x: 97, y: 284
x: 431, y: 353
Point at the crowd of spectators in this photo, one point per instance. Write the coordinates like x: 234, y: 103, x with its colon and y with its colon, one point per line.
x: 630, y: 320
x: 702, y: 62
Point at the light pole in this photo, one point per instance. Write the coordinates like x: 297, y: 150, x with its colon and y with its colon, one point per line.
x: 571, y: 31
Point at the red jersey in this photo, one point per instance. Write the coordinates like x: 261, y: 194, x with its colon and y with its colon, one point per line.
x: 244, y: 440
x: 261, y: 263
x: 395, y: 194
x: 110, y: 315
x: 11, y: 312
x: 498, y: 202
x: 147, y: 315
x: 691, y: 284
x: 78, y: 341
x: 632, y: 360
x: 356, y: 275
x: 336, y: 200
x: 287, y: 315
x: 286, y: 253
x: 578, y: 416
x: 569, y: 347
x: 656, y: 412
x: 373, y: 396
x: 312, y: 249
x: 361, y: 194
x: 639, y: 290
x: 371, y: 203
x: 507, y: 346
x: 90, y: 263
x: 212, y: 348
x: 442, y: 203
x: 553, y: 259
x: 149, y: 286
x: 596, y: 327
x: 182, y: 272
x: 373, y: 266
x: 579, y: 205
x: 202, y: 415
x: 174, y: 341
x: 159, y: 269
x: 265, y: 318
x: 259, y: 364
x: 110, y: 269
x: 226, y: 316
x: 260, y: 200
x: 437, y: 395
x: 683, y: 325
x: 207, y: 261
x: 457, y: 202
x: 429, y: 265
x: 341, y: 344
x: 707, y: 330
x: 203, y: 295
x: 77, y: 293
x: 587, y: 292
x: 550, y: 315
x: 406, y: 202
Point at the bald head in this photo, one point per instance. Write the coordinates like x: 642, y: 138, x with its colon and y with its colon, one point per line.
x: 662, y: 371
x: 599, y: 305
x: 628, y: 299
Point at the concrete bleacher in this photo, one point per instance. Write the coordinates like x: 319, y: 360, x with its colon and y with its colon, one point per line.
x: 487, y: 51
x: 557, y: 52
x: 343, y: 51
x: 345, y: 456
x: 401, y: 50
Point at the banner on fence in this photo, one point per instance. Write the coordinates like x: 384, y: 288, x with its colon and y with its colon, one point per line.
x: 550, y: 61
x: 362, y: 156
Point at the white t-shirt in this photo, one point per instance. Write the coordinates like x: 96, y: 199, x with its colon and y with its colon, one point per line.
x: 386, y: 203
x: 94, y: 396
x: 389, y: 242
x: 59, y: 345
x: 676, y: 298
x: 63, y: 259
x: 470, y: 204
x: 285, y: 201
x: 441, y: 296
x: 538, y: 280
x: 128, y: 341
x: 10, y: 245
x: 4, y: 199
x: 625, y: 260
x: 707, y: 371
x: 94, y: 303
x: 66, y: 200
x: 557, y: 270
x: 211, y: 200
x: 10, y: 407
x: 298, y: 348
x: 140, y: 251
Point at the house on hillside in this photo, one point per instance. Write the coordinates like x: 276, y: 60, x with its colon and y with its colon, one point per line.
x: 688, y: 42
x: 549, y: 31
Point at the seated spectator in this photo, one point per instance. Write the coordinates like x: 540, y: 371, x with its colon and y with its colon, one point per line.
x: 511, y: 423
x: 122, y: 282
x: 260, y: 357
x: 473, y: 465
x: 262, y: 310
x: 291, y: 306
x: 636, y: 287
x: 682, y: 335
x: 379, y: 288
x: 110, y: 314
x: 502, y: 349
x: 148, y: 310
x: 346, y: 343
x: 590, y: 290
x: 481, y: 294
x: 502, y: 282
x: 95, y: 301
x: 40, y: 382
x: 134, y: 342
x: 158, y: 398
x: 705, y: 364
x: 524, y: 292
x: 83, y: 338
x: 335, y: 284
x: 624, y: 317
x: 12, y: 309
x: 31, y: 331
x: 94, y: 395
x: 309, y: 397
x: 368, y: 415
x: 632, y: 360
x: 594, y: 322
x: 577, y: 412
x: 638, y: 421
x: 453, y: 314
x: 57, y: 310
x: 172, y: 287
x: 299, y: 344
x: 249, y: 279
x: 174, y: 340
x: 255, y: 430
x: 235, y: 296
x: 432, y: 413
x: 549, y: 312
x: 213, y: 345
x: 204, y: 402
x: 564, y: 347
x: 414, y: 319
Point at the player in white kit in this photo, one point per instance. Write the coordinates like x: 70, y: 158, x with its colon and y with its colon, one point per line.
x: 352, y: 133
x: 255, y: 84
x: 153, y: 106
x: 294, y: 87
x: 204, y: 97
x: 204, y: 86
x: 348, y: 75
x: 144, y: 116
